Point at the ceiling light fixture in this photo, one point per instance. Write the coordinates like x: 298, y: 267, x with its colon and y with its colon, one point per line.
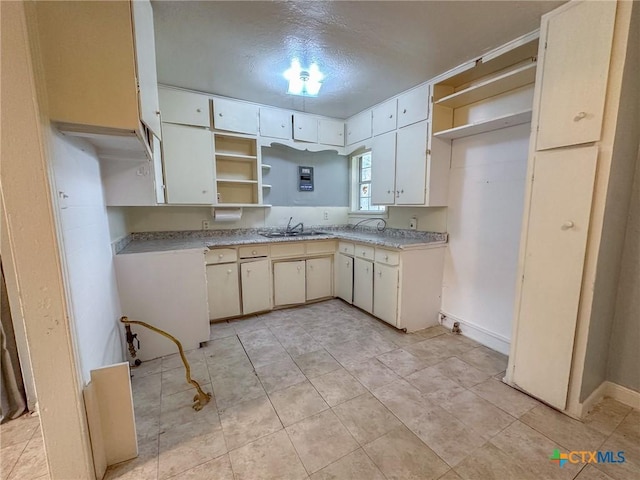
x: 306, y: 83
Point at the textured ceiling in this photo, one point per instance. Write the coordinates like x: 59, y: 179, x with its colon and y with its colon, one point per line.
x: 368, y: 50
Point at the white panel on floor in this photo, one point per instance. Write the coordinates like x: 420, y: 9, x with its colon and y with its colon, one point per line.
x: 486, y: 196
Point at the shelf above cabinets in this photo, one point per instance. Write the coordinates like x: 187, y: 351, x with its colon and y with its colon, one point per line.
x: 504, y: 82
x: 504, y: 121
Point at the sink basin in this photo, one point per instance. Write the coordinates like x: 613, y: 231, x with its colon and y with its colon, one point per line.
x: 290, y: 234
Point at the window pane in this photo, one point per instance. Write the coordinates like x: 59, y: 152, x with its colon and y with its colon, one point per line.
x: 365, y: 175
x: 364, y: 204
x: 366, y: 160
x: 365, y: 190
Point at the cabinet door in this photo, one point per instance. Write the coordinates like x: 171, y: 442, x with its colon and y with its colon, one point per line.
x: 575, y: 68
x: 552, y: 276
x: 383, y: 169
x: 319, y: 276
x: 363, y: 284
x: 359, y: 127
x: 235, y: 116
x: 385, y: 293
x: 275, y: 123
x: 289, y: 282
x: 344, y: 278
x: 384, y: 117
x: 146, y: 62
x: 411, y: 165
x: 331, y: 132
x: 305, y: 128
x: 188, y: 165
x: 413, y: 106
x: 128, y: 184
x: 256, y: 286
x: 185, y: 108
x: 158, y: 173
x: 223, y: 290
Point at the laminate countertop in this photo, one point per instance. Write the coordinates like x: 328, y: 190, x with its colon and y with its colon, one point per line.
x: 147, y: 242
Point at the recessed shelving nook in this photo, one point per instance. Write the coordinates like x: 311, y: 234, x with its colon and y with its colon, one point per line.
x: 495, y: 91
x: 238, y: 169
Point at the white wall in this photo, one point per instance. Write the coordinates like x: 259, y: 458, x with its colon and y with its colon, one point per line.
x: 486, y: 197
x: 87, y: 251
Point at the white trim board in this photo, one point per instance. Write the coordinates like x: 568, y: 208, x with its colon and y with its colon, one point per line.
x: 475, y: 332
x: 609, y: 389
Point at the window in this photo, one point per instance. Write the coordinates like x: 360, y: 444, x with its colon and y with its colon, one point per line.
x: 361, y: 200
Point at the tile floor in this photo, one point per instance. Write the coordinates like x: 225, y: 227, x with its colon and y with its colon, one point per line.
x: 328, y: 392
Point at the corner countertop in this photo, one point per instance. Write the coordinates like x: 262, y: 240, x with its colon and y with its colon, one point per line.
x: 147, y: 242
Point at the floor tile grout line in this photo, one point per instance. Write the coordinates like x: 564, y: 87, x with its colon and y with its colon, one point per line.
x: 26, y: 443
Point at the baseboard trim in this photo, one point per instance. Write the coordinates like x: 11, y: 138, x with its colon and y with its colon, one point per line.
x: 475, y: 332
x: 622, y: 394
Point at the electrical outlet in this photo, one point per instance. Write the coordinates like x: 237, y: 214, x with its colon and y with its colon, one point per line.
x: 413, y: 223
x: 206, y: 225
x: 325, y: 215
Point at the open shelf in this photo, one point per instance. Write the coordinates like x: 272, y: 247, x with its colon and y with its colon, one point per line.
x: 519, y: 77
x: 234, y: 180
x: 236, y: 157
x: 516, y: 118
x: 235, y: 146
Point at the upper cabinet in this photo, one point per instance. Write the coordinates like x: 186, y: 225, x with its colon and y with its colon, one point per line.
x: 359, y: 127
x: 99, y: 67
x: 571, y: 116
x: 184, y: 108
x: 384, y: 117
x: 413, y: 106
x: 235, y: 116
x: 305, y: 128
x: 275, y: 123
x: 331, y: 132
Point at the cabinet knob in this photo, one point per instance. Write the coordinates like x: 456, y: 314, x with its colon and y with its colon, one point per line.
x: 388, y: 191
x: 567, y: 225
x: 380, y: 272
x: 386, y: 257
x: 579, y: 116
x: 299, y: 267
x: 366, y: 269
x: 220, y: 255
x: 404, y: 111
x: 198, y: 110
x: 340, y: 134
x: 282, y: 126
x: 364, y: 254
x: 346, y: 263
x: 391, y: 116
x: 158, y: 112
x: 228, y: 272
x: 204, y: 191
x: 248, y: 271
x: 253, y: 252
x: 220, y: 114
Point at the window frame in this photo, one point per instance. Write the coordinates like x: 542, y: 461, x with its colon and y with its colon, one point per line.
x: 354, y: 201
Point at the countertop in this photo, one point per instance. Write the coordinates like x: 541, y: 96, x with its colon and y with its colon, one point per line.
x: 146, y: 242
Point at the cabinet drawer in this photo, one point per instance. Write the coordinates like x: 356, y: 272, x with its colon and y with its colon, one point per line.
x: 254, y: 251
x: 289, y: 249
x: 388, y: 257
x: 321, y: 247
x: 221, y: 255
x: 364, y: 251
x: 346, y: 248
x: 185, y: 108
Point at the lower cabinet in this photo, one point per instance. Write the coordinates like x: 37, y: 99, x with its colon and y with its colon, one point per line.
x: 167, y: 290
x: 318, y: 278
x: 255, y: 279
x: 363, y: 284
x: 289, y: 282
x: 385, y: 293
x: 223, y: 290
x: 344, y: 277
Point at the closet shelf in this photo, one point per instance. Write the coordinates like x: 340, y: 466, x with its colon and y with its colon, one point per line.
x: 516, y: 118
x: 505, y: 82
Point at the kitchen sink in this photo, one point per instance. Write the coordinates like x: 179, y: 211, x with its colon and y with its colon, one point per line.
x: 291, y: 234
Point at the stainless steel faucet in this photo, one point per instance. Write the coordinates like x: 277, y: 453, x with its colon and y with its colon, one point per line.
x: 291, y: 229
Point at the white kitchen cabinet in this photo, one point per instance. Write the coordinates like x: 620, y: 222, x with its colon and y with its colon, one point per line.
x: 146, y: 65
x: 255, y: 277
x: 399, y: 167
x: 167, y: 290
x: 411, y: 164
x: 305, y: 128
x: 573, y: 115
x: 344, y: 277
x: 359, y: 127
x: 319, y: 278
x: 385, y: 293
x: 184, y: 108
x: 188, y: 165
x: 223, y: 290
x: 275, y: 123
x: 556, y: 241
x: 413, y: 106
x: 289, y: 283
x: 363, y: 284
x: 158, y: 172
x: 235, y: 116
x: 384, y: 117
x: 331, y: 132
x: 383, y: 169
